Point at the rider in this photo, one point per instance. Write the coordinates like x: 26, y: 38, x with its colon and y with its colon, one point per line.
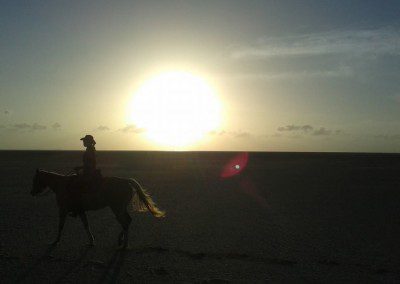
x: 90, y: 177
x: 89, y: 158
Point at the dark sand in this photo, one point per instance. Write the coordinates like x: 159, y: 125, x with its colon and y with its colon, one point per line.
x: 286, y: 218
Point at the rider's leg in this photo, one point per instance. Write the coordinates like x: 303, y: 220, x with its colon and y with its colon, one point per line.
x: 76, y: 189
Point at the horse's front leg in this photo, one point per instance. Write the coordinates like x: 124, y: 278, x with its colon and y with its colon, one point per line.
x: 121, y: 237
x: 85, y: 222
x: 62, y: 213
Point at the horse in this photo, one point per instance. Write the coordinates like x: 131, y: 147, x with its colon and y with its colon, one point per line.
x: 114, y: 192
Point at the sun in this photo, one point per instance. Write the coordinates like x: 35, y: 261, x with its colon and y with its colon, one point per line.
x: 175, y: 109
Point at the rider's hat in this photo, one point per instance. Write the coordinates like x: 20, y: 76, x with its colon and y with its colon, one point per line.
x: 89, y: 138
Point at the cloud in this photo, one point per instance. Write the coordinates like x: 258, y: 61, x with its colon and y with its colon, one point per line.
x: 293, y: 127
x: 290, y: 131
x: 338, y: 132
x: 296, y: 136
x: 277, y: 135
x: 36, y: 126
x: 102, y: 128
x: 241, y: 134
x: 234, y: 134
x: 132, y: 129
x: 340, y: 71
x: 26, y: 126
x: 56, y: 126
x: 322, y: 131
x: 219, y: 133
x: 308, y: 129
x: 22, y: 126
x: 351, y: 42
x: 388, y: 137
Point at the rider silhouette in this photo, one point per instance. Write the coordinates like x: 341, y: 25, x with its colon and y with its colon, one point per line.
x: 89, y: 158
x: 90, y: 177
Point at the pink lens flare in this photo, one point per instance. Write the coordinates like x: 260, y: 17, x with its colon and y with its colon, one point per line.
x: 235, y: 165
x: 248, y: 187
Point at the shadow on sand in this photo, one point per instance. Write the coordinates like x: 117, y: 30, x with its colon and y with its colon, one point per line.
x: 75, y: 264
x: 45, y: 256
x: 110, y: 271
x: 113, y: 268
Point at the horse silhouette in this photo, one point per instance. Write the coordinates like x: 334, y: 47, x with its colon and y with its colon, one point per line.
x: 114, y: 192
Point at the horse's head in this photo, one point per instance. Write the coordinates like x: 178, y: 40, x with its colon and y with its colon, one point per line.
x: 38, y: 185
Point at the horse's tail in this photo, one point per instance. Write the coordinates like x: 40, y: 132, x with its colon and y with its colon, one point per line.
x: 142, y: 201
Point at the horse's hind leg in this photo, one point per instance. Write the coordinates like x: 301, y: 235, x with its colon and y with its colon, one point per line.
x: 85, y: 222
x: 125, y: 220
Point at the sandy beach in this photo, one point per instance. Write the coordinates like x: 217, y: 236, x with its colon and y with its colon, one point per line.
x: 287, y: 217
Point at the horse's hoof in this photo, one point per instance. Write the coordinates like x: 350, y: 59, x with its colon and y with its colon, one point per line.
x: 91, y: 242
x: 123, y: 247
x: 121, y: 241
x: 53, y: 244
x: 73, y: 214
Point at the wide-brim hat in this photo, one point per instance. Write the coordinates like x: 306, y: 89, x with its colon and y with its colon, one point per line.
x: 88, y: 138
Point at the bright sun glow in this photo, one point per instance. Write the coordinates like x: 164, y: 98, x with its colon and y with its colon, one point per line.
x: 176, y: 109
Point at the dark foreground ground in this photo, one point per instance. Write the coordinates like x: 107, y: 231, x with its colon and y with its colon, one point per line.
x: 285, y: 218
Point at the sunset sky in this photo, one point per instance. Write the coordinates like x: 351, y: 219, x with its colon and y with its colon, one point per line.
x: 288, y: 75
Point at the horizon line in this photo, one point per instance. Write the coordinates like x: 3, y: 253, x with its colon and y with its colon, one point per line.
x: 201, y: 151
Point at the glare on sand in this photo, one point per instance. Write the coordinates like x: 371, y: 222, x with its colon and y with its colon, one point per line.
x: 175, y: 108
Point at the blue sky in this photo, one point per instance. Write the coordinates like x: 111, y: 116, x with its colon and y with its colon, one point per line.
x: 293, y: 75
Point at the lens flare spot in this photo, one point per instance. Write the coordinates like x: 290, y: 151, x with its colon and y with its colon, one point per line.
x: 235, y: 165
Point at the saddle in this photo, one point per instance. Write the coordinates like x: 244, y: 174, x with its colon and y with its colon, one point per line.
x: 84, y: 183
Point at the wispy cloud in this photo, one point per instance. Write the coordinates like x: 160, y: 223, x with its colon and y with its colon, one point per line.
x: 336, y: 72
x: 36, y: 126
x: 132, y: 129
x: 241, y: 134
x: 219, y: 133
x: 22, y: 126
x: 388, y: 136
x: 293, y: 127
x: 277, y: 135
x: 29, y: 127
x: 309, y: 130
x: 354, y: 42
x: 234, y: 134
x: 56, y: 126
x: 102, y: 128
x: 322, y: 131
